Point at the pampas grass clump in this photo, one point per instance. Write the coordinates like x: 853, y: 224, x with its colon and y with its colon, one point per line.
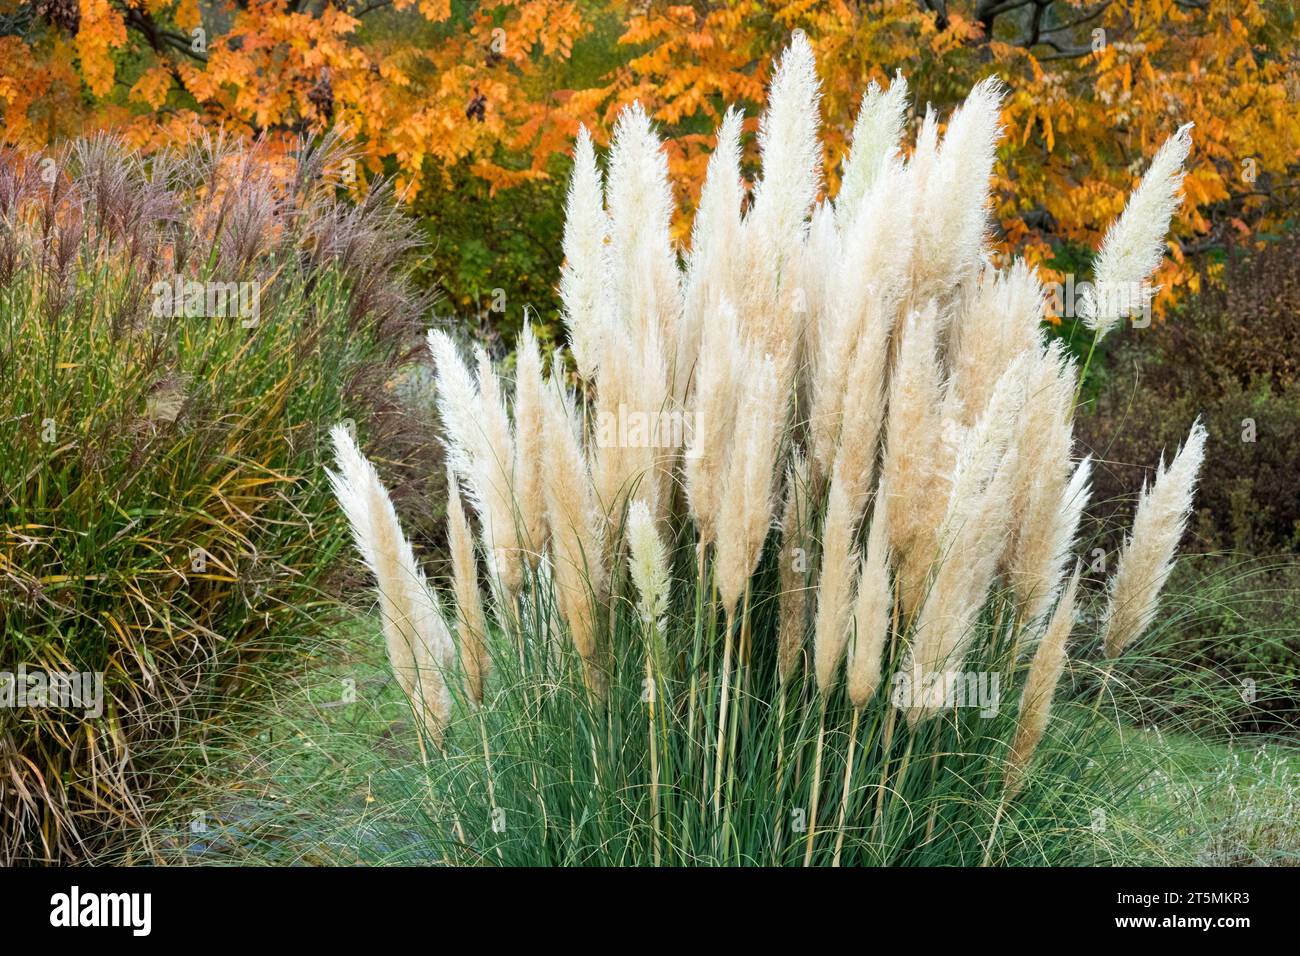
x: 719, y: 646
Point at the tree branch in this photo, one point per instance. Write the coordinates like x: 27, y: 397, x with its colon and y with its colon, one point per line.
x: 940, y: 10
x: 158, y: 37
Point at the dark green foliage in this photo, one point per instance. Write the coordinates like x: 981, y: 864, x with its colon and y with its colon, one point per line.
x: 495, y: 256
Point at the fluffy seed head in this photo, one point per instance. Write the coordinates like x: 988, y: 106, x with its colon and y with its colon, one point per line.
x: 1148, y: 555
x: 746, y: 509
x: 530, y: 463
x: 415, y: 635
x: 647, y: 562
x: 1040, y: 686
x: 876, y: 134
x: 582, y: 276
x: 871, y: 611
x: 1134, y: 245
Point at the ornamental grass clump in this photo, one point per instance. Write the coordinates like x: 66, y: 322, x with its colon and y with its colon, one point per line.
x: 177, y: 335
x: 800, y: 632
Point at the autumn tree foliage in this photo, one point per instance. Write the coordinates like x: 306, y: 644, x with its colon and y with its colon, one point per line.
x: 496, y: 89
x: 411, y: 81
x: 1095, y: 87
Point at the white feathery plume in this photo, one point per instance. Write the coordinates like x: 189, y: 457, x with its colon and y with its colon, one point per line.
x: 575, y: 521
x: 1134, y: 245
x: 530, y: 463
x: 791, y: 152
x: 458, y: 406
x: 495, y: 474
x: 1036, y: 584
x: 876, y: 135
x: 481, y: 449
x: 816, y: 278
x: 715, y: 233
x: 746, y: 510
x: 632, y: 405
x: 1047, y: 501
x: 582, y: 276
x: 982, y: 455
x: 1040, y: 687
x: 970, y: 541
x: 835, y: 586
x: 1148, y: 555
x: 713, y: 411
x: 771, y: 301
x: 953, y: 192
x: 865, y: 290
x: 644, y: 273
x: 1002, y: 321
x: 916, y: 455
x: 871, y: 610
x: 647, y: 563
x: 419, y: 645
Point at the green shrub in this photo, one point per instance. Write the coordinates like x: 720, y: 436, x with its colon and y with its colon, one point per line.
x: 493, y: 255
x: 158, y: 470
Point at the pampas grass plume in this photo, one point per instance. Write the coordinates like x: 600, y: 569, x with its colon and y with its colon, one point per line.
x: 871, y: 610
x: 647, y: 563
x: 1148, y: 555
x: 746, y: 510
x: 415, y: 635
x: 1134, y: 245
x: 583, y: 274
x: 1040, y: 687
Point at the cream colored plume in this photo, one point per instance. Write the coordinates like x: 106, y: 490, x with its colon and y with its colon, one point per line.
x: 796, y: 519
x: 495, y: 474
x: 1040, y: 687
x: 871, y: 610
x: 953, y: 195
x: 647, y: 563
x: 635, y: 394
x: 715, y: 234
x: 1003, y: 320
x: 876, y: 135
x: 582, y: 276
x: 1134, y: 245
x: 419, y: 646
x: 790, y: 149
x: 1047, y: 501
x: 815, y: 277
x: 481, y: 449
x: 643, y: 263
x: 772, y: 304
x: 530, y: 462
x: 1148, y: 555
x: 746, y: 510
x: 713, y: 409
x: 469, y: 600
x: 633, y: 405
x: 864, y: 292
x: 917, y: 456
x: 576, y: 524
x: 835, y: 585
x: 970, y: 541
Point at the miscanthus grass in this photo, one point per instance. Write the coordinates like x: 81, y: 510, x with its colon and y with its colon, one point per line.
x: 831, y: 618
